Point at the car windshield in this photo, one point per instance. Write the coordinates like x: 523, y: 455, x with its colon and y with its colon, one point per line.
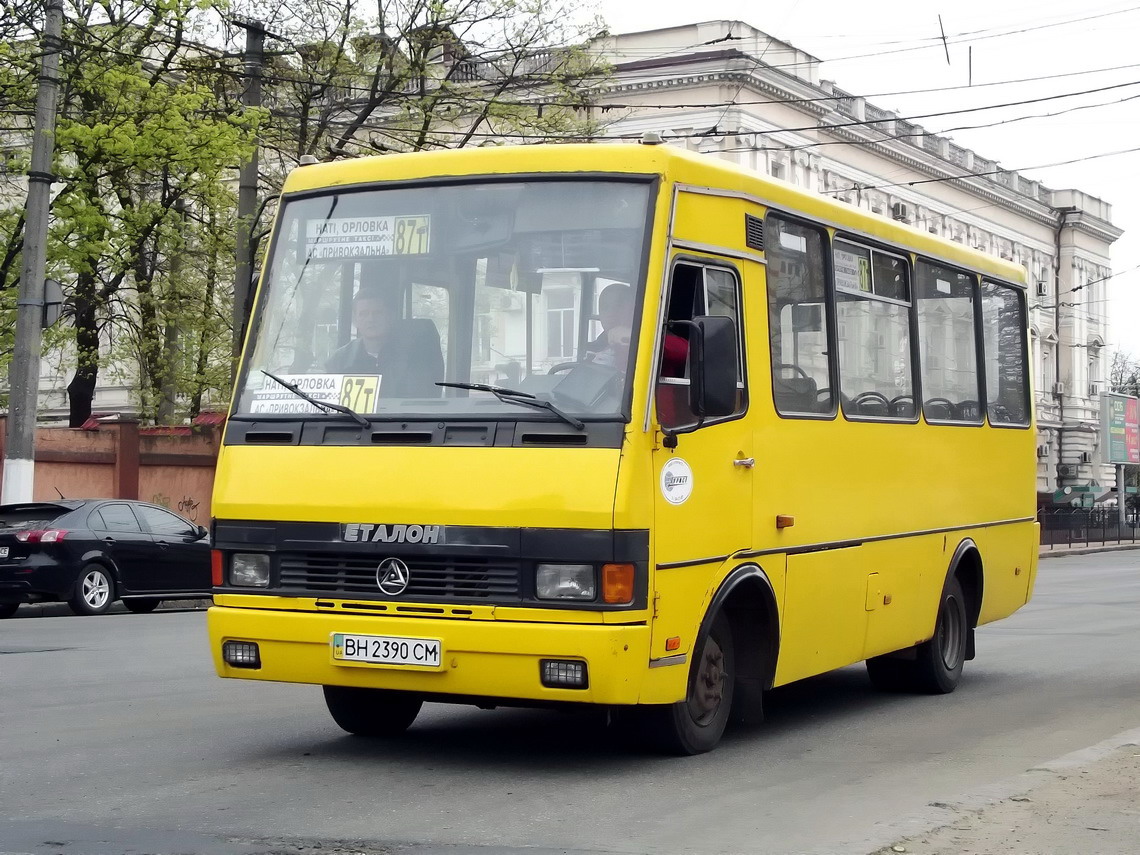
x: 374, y: 297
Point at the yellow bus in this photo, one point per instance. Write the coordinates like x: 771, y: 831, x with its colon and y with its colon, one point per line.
x: 614, y: 425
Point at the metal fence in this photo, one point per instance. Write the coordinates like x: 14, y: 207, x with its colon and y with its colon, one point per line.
x: 1086, y: 527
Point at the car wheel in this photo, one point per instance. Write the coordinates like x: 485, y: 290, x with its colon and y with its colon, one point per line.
x: 94, y: 591
x: 142, y: 605
x: 696, y: 724
x: 372, y: 712
x: 8, y: 609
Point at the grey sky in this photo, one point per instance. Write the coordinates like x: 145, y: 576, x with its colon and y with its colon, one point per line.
x: 867, y: 49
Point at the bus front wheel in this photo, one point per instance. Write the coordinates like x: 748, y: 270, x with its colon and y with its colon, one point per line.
x: 695, y: 725
x: 937, y: 664
x: 372, y: 712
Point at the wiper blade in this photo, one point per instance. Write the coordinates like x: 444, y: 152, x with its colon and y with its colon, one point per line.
x: 486, y: 387
x: 320, y: 405
x: 513, y: 396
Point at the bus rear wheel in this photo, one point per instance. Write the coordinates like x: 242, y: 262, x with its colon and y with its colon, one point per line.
x: 937, y: 664
x: 696, y: 724
x: 372, y: 712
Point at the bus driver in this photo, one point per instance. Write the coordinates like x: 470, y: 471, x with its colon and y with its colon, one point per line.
x: 405, y: 353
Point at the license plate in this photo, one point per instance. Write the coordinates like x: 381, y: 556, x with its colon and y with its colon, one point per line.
x: 3, y: 551
x: 387, y: 650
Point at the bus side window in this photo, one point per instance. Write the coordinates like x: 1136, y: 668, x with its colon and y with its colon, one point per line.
x: 798, y: 321
x: 694, y: 290
x: 1003, y: 337
x: 948, y: 343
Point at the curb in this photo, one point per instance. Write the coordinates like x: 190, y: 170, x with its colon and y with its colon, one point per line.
x: 943, y: 814
x: 1088, y: 550
x: 34, y: 610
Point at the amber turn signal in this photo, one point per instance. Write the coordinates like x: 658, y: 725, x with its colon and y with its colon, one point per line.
x: 617, y: 583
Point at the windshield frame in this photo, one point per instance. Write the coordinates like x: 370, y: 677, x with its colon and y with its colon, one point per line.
x: 651, y: 181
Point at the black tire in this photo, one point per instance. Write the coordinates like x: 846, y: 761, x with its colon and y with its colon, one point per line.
x: 8, y: 609
x: 696, y: 724
x: 937, y: 664
x: 142, y: 605
x: 372, y: 712
x: 94, y: 591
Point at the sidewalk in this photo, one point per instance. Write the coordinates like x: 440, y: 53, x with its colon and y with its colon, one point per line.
x: 1085, y: 803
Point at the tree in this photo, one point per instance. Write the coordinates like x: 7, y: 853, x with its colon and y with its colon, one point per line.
x: 146, y: 141
x: 150, y: 134
x: 417, y: 75
x: 1124, y: 374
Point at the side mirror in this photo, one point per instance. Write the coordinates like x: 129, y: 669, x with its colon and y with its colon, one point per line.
x: 712, y: 367
x: 202, y: 532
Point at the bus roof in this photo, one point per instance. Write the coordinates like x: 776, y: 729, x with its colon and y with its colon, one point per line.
x: 669, y: 162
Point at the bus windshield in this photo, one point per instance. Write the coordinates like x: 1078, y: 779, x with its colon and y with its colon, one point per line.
x: 375, y: 296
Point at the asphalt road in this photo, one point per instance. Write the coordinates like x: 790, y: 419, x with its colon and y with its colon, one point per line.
x: 116, y: 737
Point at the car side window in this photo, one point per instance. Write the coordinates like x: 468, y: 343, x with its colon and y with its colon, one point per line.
x: 115, y: 518
x: 165, y: 522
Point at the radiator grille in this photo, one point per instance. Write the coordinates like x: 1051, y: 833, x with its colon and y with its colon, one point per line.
x: 431, y: 578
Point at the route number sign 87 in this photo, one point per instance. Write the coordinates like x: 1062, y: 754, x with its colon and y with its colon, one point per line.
x: 359, y: 393
x: 412, y: 235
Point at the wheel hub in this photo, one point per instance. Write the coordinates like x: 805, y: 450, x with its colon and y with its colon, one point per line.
x: 708, y: 687
x: 96, y: 589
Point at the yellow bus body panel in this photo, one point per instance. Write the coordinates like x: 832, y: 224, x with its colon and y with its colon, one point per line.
x: 540, y: 487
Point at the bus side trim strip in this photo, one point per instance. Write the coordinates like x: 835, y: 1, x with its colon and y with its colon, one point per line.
x: 848, y: 544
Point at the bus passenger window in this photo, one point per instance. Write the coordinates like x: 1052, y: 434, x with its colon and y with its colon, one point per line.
x: 797, y: 319
x: 947, y: 343
x: 1003, y: 339
x: 872, y: 291
x: 695, y: 290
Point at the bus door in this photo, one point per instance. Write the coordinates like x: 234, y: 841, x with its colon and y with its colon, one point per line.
x: 703, y: 486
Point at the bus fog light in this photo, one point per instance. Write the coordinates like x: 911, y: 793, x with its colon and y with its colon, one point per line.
x: 565, y: 582
x: 249, y: 570
x: 563, y: 674
x: 241, y: 654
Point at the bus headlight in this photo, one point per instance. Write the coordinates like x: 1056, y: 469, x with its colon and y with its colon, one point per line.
x: 249, y: 570
x: 565, y: 582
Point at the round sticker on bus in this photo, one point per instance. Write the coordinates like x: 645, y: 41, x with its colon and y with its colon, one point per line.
x: 676, y: 481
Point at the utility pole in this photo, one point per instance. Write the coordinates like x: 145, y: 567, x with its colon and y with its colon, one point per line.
x: 24, y: 373
x: 254, y: 63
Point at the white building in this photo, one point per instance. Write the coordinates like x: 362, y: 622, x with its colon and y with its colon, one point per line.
x: 747, y: 97
x: 759, y: 102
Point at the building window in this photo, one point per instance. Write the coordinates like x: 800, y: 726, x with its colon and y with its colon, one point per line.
x: 560, y: 323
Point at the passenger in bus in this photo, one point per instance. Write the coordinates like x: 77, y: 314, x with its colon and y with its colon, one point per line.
x: 405, y: 353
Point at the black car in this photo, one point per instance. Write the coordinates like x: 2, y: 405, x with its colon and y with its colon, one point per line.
x: 91, y: 552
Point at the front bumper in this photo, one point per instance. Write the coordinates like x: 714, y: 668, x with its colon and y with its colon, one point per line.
x: 480, y: 659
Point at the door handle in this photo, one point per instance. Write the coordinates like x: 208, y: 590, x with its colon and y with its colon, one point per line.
x: 744, y: 462
x: 162, y: 544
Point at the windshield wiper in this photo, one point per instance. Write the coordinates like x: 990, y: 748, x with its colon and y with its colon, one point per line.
x: 513, y: 396
x: 320, y: 405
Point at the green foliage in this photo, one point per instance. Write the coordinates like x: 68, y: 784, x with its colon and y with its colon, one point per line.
x: 151, y: 132
x: 142, y: 221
